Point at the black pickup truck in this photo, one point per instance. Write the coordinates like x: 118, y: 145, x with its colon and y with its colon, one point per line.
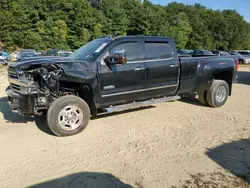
x: 114, y: 74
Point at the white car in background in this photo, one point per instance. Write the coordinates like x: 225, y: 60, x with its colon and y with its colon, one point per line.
x: 242, y: 59
x: 245, y: 54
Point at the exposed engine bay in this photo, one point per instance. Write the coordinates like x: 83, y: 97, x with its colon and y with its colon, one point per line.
x: 46, y: 78
x: 38, y: 86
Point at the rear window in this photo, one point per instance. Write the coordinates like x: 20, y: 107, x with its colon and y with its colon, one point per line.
x: 158, y: 50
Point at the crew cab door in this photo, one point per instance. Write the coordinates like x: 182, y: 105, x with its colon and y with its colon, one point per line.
x: 162, y: 64
x: 121, y: 83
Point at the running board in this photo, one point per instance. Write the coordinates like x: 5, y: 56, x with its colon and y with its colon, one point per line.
x: 140, y: 104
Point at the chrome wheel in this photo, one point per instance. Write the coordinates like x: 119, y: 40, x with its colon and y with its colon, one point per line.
x: 221, y: 94
x: 70, y: 117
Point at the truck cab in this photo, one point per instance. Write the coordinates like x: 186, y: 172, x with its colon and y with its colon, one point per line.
x: 151, y: 70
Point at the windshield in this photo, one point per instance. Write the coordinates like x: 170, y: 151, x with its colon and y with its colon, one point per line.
x: 89, y: 51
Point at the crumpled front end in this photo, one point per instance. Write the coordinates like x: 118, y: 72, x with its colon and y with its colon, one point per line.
x: 31, y: 91
x: 21, y: 104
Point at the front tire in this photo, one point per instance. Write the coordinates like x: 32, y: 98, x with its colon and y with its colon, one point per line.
x: 217, y: 94
x: 68, y: 115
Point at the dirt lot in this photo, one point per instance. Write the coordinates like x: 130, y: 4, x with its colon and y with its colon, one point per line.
x: 174, y: 144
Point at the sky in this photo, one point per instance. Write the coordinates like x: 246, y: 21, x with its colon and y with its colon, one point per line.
x: 241, y: 6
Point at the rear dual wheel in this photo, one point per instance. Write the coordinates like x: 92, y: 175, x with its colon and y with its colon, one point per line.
x: 217, y: 94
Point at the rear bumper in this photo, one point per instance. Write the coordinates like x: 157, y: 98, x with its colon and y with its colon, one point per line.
x: 21, y: 103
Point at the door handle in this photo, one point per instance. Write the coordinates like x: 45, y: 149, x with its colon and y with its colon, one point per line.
x: 174, y: 65
x: 139, y: 69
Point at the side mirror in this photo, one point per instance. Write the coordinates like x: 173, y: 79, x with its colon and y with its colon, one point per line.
x: 116, y: 57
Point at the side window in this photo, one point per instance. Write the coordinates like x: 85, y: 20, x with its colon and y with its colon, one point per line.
x: 158, y: 50
x: 132, y: 50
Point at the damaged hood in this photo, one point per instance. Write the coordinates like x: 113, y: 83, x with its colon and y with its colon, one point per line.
x: 29, y: 62
x: 74, y: 70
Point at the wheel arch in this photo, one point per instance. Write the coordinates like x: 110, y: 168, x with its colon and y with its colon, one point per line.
x: 227, y: 76
x: 83, y: 90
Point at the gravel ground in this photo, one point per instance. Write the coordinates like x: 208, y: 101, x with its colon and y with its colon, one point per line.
x: 173, y: 144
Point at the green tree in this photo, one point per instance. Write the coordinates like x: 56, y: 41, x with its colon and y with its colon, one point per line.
x: 60, y: 35
x: 180, y: 31
x: 97, y: 32
x: 117, y: 21
x: 43, y: 24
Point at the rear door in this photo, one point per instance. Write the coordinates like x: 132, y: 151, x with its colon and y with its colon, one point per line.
x: 162, y: 63
x: 124, y: 83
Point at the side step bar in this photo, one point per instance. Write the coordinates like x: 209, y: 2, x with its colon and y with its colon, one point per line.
x: 140, y: 104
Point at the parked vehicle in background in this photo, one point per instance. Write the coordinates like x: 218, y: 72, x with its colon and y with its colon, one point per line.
x: 28, y: 50
x: 42, y: 53
x: 52, y: 52
x: 243, y: 52
x: 60, y: 53
x: 242, y: 59
x: 15, y: 55
x: 184, y: 51
x: 25, y: 54
x: 4, y: 57
x: 114, y: 74
x: 202, y: 52
x: 3, y: 60
x: 220, y: 53
x: 64, y: 53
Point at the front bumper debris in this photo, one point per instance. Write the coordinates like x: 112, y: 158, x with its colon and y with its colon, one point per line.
x: 19, y: 103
